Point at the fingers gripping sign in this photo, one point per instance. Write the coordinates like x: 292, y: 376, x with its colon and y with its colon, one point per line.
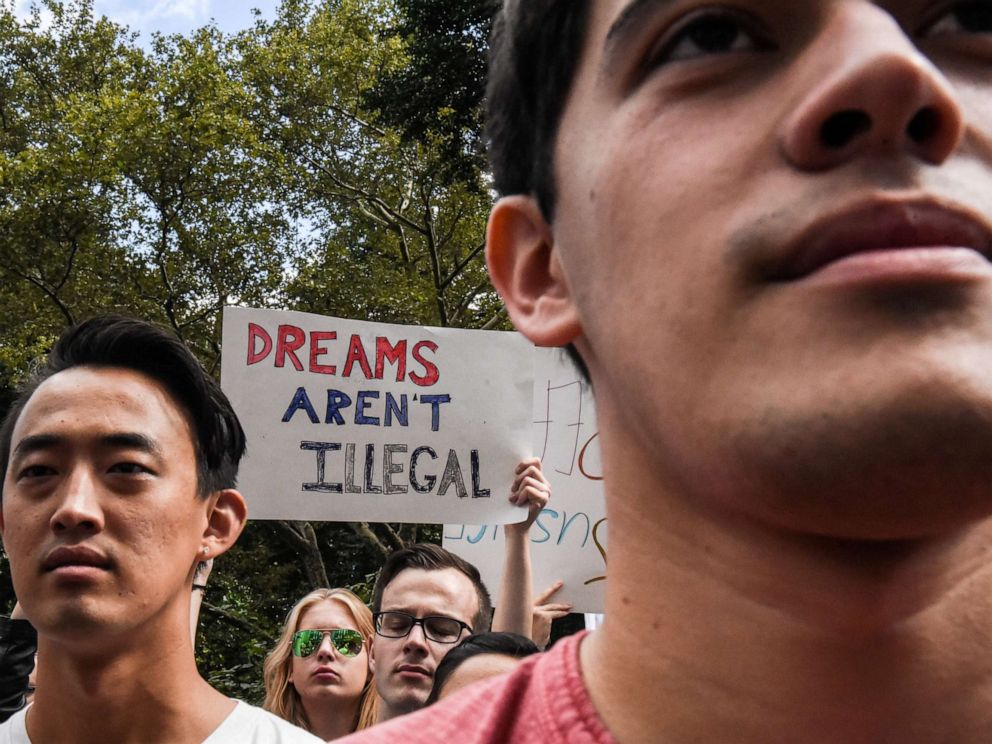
x: 531, y: 489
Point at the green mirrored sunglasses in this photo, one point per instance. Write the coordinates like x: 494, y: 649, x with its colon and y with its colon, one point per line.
x: 346, y: 642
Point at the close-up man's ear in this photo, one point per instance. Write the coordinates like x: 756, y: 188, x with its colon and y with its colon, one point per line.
x: 372, y: 655
x: 526, y: 269
x: 225, y: 520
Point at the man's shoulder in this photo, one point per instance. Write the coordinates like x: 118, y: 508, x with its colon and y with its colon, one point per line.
x: 247, y: 724
x: 13, y: 730
x: 544, y: 699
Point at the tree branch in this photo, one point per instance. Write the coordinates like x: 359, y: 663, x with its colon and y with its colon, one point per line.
x: 363, y: 530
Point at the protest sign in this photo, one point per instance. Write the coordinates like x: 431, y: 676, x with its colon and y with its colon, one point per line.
x: 568, y: 539
x: 349, y: 420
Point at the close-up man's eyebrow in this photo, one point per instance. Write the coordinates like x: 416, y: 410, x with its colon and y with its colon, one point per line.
x: 131, y: 440
x: 36, y: 443
x: 631, y: 19
x: 117, y: 440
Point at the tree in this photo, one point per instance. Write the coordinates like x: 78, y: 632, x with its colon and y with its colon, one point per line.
x: 209, y: 169
x: 438, y: 94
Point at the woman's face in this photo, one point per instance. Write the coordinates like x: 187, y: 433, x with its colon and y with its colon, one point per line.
x: 327, y: 675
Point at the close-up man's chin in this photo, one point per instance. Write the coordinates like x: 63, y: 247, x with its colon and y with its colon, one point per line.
x: 910, y: 470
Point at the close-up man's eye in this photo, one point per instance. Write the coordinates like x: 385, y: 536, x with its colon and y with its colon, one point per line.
x: 129, y: 468
x: 35, y: 471
x: 972, y: 17
x: 708, y: 32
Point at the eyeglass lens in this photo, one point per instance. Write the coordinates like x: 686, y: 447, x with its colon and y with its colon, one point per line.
x: 346, y: 642
x: 436, y: 628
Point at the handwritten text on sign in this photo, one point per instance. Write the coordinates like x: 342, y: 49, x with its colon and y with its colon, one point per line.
x: 568, y: 539
x: 353, y: 420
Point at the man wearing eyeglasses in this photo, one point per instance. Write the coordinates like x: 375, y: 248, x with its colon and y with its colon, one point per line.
x: 426, y: 599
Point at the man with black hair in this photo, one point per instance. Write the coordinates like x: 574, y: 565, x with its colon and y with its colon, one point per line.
x: 119, y: 459
x: 765, y: 229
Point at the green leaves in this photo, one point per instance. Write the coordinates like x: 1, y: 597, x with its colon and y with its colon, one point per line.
x: 326, y: 160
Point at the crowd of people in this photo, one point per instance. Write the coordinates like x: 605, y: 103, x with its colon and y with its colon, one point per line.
x: 762, y: 229
x: 104, y: 433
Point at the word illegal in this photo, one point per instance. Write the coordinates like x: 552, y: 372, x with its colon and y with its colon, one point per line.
x: 394, y: 461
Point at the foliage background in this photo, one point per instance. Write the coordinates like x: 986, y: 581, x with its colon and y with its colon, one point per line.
x: 328, y: 161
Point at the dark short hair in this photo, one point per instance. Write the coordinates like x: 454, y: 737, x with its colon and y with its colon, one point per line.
x: 430, y: 557
x: 504, y: 644
x: 534, y: 52
x: 128, y: 343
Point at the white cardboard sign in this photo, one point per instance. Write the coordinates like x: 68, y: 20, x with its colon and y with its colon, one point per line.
x: 350, y: 420
x: 568, y: 539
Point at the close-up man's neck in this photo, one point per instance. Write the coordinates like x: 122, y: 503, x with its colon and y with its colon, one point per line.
x: 123, y: 696
x: 388, y: 712
x: 718, y: 629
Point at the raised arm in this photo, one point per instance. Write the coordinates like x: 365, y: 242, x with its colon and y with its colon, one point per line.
x: 514, y: 604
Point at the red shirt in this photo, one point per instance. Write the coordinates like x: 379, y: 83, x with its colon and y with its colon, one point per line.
x: 543, y: 700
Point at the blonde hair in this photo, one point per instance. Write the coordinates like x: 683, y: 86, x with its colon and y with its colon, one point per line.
x: 281, y: 697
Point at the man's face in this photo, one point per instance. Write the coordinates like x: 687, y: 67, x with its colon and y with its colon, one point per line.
x: 774, y: 221
x: 404, y: 667
x: 101, y: 518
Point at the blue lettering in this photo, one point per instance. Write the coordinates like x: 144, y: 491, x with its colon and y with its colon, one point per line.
x: 401, y: 412
x: 336, y: 400
x: 568, y: 522
x: 540, y: 526
x: 435, y: 402
x: 362, y: 404
x: 300, y: 402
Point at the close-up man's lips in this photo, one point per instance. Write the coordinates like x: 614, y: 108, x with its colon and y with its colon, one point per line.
x: 883, y: 226
x: 76, y: 555
x: 414, y: 668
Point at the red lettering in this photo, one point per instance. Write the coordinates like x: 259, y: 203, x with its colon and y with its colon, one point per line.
x: 316, y: 350
x: 257, y: 333
x: 385, y: 352
x: 431, y: 373
x: 291, y: 338
x: 356, y: 353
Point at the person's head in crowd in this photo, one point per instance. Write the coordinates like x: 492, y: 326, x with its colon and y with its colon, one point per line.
x: 317, y: 676
x: 479, y: 657
x: 764, y: 228
x: 426, y: 599
x: 119, y: 459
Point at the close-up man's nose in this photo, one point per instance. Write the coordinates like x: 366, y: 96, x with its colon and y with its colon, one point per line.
x: 881, y: 96
x: 77, y: 506
x: 416, y: 636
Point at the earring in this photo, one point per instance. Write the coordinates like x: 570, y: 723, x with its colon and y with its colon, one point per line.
x: 206, y: 551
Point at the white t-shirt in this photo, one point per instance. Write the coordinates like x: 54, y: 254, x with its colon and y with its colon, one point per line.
x: 246, y: 724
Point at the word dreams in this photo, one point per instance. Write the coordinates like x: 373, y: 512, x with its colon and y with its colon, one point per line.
x: 397, y: 471
x: 290, y: 339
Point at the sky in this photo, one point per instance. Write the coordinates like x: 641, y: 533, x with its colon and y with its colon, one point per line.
x: 175, y: 16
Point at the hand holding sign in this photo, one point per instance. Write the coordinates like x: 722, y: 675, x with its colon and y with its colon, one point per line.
x: 530, y: 489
